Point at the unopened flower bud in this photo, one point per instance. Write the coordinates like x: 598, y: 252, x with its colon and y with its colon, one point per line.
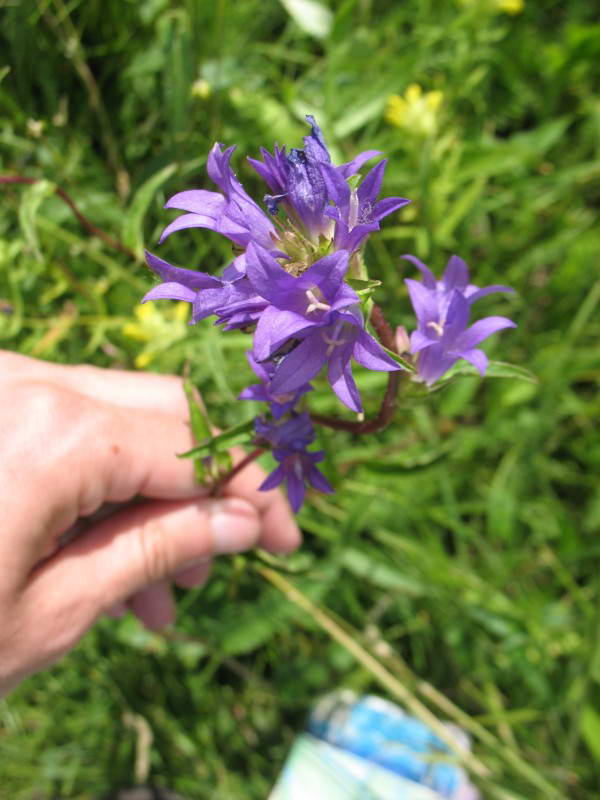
x: 402, y: 340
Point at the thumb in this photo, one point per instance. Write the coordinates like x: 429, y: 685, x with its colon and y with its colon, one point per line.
x: 128, y: 551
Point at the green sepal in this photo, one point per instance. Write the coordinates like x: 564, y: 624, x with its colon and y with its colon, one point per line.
x: 362, y: 287
x: 407, y: 365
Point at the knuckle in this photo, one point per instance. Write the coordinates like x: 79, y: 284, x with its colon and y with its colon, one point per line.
x: 157, y: 557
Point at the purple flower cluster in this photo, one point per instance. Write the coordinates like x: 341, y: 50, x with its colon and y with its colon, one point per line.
x: 289, y: 285
x: 289, y: 439
x: 289, y: 281
x: 442, y: 309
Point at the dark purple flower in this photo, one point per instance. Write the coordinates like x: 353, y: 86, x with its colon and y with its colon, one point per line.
x: 297, y: 180
x: 279, y: 404
x: 357, y: 212
x: 295, y: 304
x: 232, y: 299
x: 289, y: 440
x: 335, y: 345
x: 233, y: 213
x: 442, y: 309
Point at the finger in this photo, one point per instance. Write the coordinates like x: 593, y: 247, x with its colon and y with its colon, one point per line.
x: 154, y: 605
x: 193, y: 577
x: 139, y: 390
x: 127, y: 552
x: 117, y: 611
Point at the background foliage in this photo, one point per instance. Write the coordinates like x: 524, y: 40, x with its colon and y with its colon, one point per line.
x: 461, y: 548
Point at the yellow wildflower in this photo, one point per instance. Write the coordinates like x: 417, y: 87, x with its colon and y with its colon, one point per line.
x: 511, y: 6
x: 416, y: 111
x: 157, y: 327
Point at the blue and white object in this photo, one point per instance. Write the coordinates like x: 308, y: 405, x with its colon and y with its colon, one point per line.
x: 369, y: 749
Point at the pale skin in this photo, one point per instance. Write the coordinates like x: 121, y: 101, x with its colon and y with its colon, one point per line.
x: 73, y: 439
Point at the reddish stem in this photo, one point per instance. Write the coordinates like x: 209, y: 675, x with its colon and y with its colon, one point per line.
x: 217, y: 489
x: 83, y: 220
x: 383, y: 329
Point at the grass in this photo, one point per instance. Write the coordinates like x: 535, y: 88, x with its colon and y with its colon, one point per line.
x: 456, y: 567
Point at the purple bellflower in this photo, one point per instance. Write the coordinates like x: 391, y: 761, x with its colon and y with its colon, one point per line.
x: 356, y: 212
x: 442, y: 309
x: 345, y: 338
x: 295, y: 303
x: 289, y: 440
x: 279, y: 404
x: 297, y: 179
x: 233, y: 213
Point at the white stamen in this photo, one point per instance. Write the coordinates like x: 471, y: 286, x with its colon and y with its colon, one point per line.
x: 298, y: 469
x: 314, y: 302
x: 353, y: 210
x: 333, y: 343
x: 439, y: 329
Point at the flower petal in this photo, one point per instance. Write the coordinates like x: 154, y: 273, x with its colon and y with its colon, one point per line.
x: 429, y: 279
x: 424, y: 301
x: 274, y: 479
x: 456, y: 274
x: 189, y: 221
x: 479, y: 331
x: 170, y: 291
x: 476, y: 294
x: 299, y: 366
x: 433, y: 362
x: 327, y: 274
x: 187, y: 277
x: 352, y: 167
x: 370, y: 186
x: 198, y: 201
x: 341, y: 379
x: 274, y: 328
x: 318, y: 480
x: 478, y: 358
x: 370, y: 354
x: 268, y: 277
x: 295, y: 490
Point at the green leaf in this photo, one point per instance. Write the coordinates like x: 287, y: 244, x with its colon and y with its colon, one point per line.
x: 428, y: 459
x: 310, y: 16
x: 589, y: 724
x: 200, y: 425
x: 134, y: 217
x: 28, y: 212
x: 495, y: 369
x: 229, y: 438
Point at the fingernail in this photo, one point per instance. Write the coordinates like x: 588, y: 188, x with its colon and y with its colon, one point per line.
x: 235, y: 525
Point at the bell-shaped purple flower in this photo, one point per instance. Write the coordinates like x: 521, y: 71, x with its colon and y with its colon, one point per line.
x: 295, y: 304
x: 279, y: 404
x: 442, y: 309
x: 335, y: 345
x: 232, y: 297
x: 289, y: 440
x: 233, y: 213
x: 357, y: 212
x: 297, y: 180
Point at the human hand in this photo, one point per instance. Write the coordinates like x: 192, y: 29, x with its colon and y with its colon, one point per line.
x: 73, y: 439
